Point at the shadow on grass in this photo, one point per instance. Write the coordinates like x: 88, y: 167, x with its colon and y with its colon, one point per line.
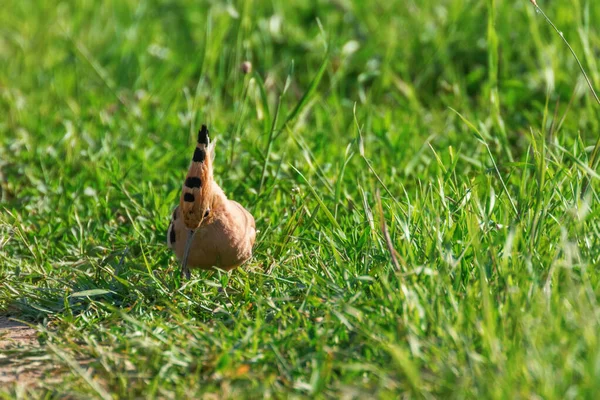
x: 118, y: 281
x: 121, y: 283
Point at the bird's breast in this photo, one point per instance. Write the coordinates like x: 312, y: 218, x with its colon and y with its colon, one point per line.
x: 225, y: 241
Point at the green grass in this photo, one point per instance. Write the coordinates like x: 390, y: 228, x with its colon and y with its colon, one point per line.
x: 462, y: 136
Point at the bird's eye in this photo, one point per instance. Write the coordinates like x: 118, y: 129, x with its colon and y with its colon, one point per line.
x: 206, y: 213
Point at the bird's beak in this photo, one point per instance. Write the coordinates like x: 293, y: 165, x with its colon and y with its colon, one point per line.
x: 185, y: 271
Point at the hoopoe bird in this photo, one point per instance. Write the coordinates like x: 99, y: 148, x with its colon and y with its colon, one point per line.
x: 208, y: 230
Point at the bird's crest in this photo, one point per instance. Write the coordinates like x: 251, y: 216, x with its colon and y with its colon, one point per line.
x: 196, y: 194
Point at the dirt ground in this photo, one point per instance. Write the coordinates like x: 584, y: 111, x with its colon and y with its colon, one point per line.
x: 17, y: 340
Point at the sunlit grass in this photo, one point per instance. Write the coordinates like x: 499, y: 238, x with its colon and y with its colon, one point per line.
x: 417, y: 191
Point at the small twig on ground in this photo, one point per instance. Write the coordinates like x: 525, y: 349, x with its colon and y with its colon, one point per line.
x: 386, y: 235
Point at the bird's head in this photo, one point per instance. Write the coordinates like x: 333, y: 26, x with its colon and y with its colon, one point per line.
x: 197, y: 193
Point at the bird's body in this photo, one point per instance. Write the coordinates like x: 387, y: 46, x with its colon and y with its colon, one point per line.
x: 213, y: 230
x: 224, y: 240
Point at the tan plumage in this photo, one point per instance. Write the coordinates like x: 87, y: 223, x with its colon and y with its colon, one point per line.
x: 219, y: 232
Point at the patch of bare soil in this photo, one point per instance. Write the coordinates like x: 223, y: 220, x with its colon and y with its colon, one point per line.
x: 17, y: 343
x: 15, y: 333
